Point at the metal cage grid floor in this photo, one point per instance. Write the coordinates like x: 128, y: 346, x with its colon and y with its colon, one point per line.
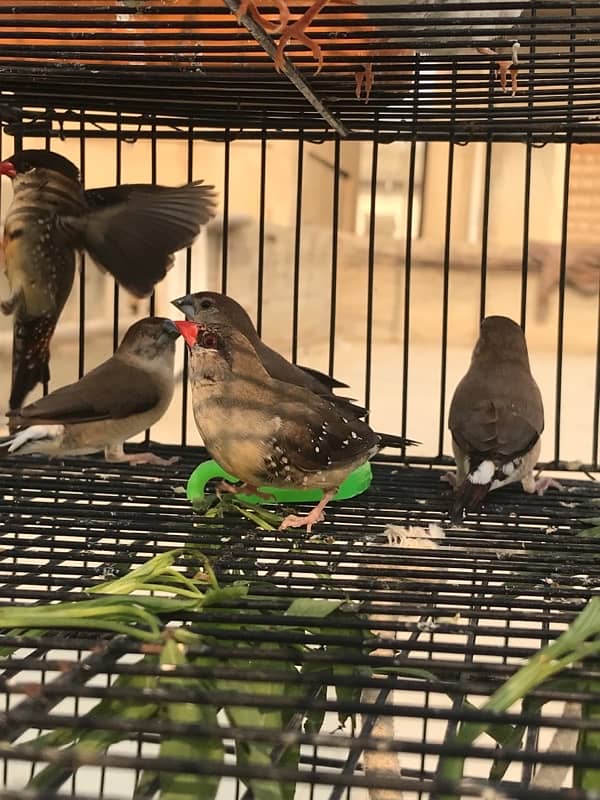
x: 469, y: 609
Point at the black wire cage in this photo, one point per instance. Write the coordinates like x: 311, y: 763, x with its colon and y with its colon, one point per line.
x: 368, y: 237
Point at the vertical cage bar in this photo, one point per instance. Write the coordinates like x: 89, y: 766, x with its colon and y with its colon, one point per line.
x: 334, y: 251
x: 118, y: 170
x: 485, y: 221
x: 225, y: 235
x: 596, y: 414
x: 371, y: 273
x: 261, y: 233
x: 526, y: 221
x: 81, y: 258
x: 188, y: 289
x: 297, y: 246
x: 563, y: 249
x: 527, y: 184
x: 561, y: 303
x: 445, y: 298
x: 407, y: 285
x: 153, y: 175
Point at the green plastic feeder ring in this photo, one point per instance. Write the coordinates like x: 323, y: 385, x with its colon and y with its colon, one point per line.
x: 356, y: 483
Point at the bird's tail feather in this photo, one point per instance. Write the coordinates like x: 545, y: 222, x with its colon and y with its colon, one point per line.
x: 399, y: 442
x: 31, y: 356
x: 472, y: 490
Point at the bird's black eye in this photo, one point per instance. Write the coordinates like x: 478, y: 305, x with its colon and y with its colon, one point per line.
x: 205, y: 304
x: 210, y: 341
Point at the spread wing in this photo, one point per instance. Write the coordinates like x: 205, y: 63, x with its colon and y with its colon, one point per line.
x: 133, y: 230
x: 111, y: 391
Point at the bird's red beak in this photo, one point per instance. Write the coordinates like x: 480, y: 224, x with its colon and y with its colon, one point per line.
x: 8, y: 168
x: 189, y: 331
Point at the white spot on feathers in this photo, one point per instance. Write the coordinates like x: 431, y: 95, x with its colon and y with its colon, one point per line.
x: 508, y: 468
x: 483, y: 474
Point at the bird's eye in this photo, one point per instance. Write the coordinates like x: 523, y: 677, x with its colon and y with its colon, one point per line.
x: 210, y: 341
x: 205, y: 304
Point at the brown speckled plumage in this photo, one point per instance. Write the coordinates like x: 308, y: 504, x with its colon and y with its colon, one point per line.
x: 266, y: 431
x: 131, y: 230
x: 212, y: 308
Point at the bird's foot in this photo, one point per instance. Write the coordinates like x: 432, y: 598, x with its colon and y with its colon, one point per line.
x: 449, y: 477
x: 297, y: 31
x: 227, y: 488
x: 504, y: 67
x: 301, y: 520
x: 242, y: 488
x: 249, y: 7
x: 366, y: 78
x: 542, y: 484
x: 141, y: 458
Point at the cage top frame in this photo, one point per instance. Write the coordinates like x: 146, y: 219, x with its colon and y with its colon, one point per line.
x: 168, y: 68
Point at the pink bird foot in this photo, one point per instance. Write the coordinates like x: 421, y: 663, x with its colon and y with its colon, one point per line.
x: 316, y: 515
x: 142, y: 458
x: 542, y: 484
x: 449, y: 477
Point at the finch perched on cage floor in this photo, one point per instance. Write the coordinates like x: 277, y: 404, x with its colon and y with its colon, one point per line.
x: 496, y: 419
x: 120, y: 398
x: 130, y: 230
x: 219, y: 309
x: 267, y: 431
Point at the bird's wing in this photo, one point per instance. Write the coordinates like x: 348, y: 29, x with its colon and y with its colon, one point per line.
x: 327, y: 380
x: 501, y: 420
x: 319, y: 437
x: 113, y: 390
x: 133, y: 230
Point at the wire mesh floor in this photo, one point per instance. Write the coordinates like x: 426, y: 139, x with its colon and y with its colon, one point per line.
x: 466, y: 608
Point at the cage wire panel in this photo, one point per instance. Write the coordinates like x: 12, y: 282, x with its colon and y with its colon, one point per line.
x: 428, y: 622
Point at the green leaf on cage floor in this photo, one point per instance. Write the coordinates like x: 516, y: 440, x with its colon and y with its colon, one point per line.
x: 589, y: 533
x: 357, y: 673
x: 321, y: 674
x: 259, y: 754
x: 89, y: 743
x: 312, y: 607
x: 509, y: 736
x: 588, y: 741
x: 203, y: 749
x: 237, y: 591
x: 576, y: 643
